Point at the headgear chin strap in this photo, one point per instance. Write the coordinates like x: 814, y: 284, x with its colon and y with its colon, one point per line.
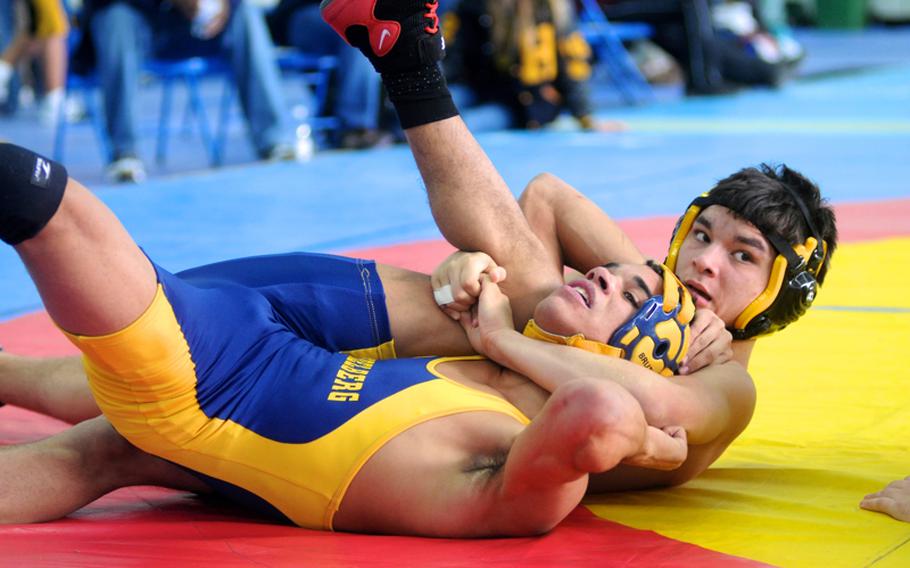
x: 792, y: 286
x: 656, y: 337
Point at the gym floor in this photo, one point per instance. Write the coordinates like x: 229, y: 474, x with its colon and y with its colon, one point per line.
x: 834, y: 405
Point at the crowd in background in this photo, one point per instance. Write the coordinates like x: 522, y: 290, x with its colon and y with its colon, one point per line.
x: 529, y: 60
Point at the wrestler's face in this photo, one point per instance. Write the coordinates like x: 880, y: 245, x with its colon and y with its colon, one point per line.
x: 725, y: 262
x: 598, y: 304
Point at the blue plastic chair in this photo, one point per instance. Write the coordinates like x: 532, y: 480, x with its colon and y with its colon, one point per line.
x: 315, y: 71
x: 169, y: 72
x: 606, y: 40
x: 87, y: 87
x: 189, y: 72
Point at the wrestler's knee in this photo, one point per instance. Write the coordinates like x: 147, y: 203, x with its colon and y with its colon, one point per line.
x: 537, y: 188
x: 31, y: 189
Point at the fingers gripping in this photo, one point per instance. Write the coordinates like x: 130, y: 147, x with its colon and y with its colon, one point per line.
x: 456, y: 282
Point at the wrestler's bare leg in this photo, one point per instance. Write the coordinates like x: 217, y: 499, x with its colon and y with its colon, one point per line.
x: 51, y: 478
x: 92, y: 277
x: 55, y: 386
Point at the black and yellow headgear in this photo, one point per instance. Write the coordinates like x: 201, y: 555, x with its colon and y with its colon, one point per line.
x: 656, y: 337
x: 792, y: 286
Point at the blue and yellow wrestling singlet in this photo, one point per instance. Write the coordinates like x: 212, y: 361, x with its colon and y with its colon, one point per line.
x: 222, y: 376
x: 336, y: 302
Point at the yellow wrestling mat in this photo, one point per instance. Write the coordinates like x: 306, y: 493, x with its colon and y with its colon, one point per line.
x: 832, y: 424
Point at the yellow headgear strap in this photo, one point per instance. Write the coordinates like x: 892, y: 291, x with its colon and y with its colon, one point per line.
x: 578, y: 340
x: 676, y: 294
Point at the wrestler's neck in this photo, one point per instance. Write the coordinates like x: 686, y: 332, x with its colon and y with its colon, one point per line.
x: 742, y: 351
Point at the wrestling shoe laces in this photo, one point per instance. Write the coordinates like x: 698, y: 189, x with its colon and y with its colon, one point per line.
x: 395, y: 35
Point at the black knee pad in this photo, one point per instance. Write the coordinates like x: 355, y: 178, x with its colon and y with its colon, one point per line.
x: 31, y: 188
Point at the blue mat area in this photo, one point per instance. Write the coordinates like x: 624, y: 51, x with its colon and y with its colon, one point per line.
x: 838, y: 51
x: 851, y: 133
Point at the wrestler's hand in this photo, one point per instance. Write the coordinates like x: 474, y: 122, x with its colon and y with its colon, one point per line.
x: 488, y: 318
x: 711, y: 342
x: 664, y: 449
x: 893, y: 500
x: 456, y: 282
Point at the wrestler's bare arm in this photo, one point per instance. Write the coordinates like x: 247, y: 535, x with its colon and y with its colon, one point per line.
x: 582, y: 236
x: 482, y: 474
x: 572, y: 227
x: 716, y: 405
x: 476, y: 211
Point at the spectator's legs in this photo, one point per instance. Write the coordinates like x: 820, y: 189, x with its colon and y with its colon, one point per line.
x: 685, y: 29
x: 358, y: 87
x: 7, y: 31
x: 55, y: 56
x: 704, y: 63
x: 121, y: 36
x: 258, y: 80
x: 358, y: 91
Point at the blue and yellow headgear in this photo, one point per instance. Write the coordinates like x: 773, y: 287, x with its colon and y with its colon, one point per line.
x: 792, y: 286
x: 656, y: 337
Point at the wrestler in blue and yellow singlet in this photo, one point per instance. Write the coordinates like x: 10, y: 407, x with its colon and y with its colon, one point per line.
x: 234, y: 372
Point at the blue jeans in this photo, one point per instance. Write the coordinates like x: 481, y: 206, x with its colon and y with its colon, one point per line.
x: 124, y: 35
x: 481, y: 116
x: 357, y: 85
x: 7, y: 31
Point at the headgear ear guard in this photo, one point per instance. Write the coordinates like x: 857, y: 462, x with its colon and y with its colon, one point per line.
x: 792, y: 286
x: 656, y: 337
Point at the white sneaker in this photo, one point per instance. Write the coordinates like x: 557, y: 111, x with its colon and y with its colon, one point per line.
x: 126, y: 170
x: 51, y: 106
x: 74, y: 109
x: 26, y: 97
x: 735, y: 17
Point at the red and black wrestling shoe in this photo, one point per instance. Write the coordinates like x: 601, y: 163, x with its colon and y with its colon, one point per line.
x: 396, y: 35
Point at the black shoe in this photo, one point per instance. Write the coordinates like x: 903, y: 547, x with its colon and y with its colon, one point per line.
x: 396, y: 35
x: 713, y: 90
x: 363, y: 138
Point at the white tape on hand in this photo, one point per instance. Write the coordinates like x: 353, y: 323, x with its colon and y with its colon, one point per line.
x: 443, y: 295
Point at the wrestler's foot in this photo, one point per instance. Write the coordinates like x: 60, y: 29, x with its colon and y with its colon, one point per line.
x: 396, y: 35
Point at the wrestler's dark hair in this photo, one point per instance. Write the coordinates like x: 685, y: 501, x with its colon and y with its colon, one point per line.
x: 762, y: 196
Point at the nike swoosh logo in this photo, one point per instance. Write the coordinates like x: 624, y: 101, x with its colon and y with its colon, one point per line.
x: 385, y: 33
